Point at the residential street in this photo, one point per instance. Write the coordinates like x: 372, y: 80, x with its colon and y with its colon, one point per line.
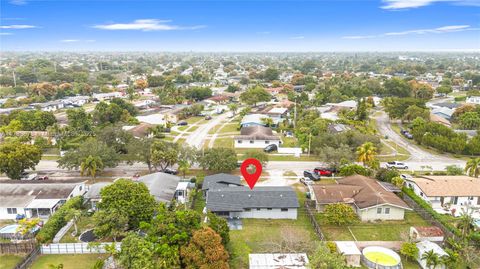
x: 197, y: 137
x: 419, y: 157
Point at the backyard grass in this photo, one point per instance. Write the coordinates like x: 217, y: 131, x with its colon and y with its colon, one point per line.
x: 192, y: 120
x: 199, y: 203
x: 9, y: 261
x: 263, y: 236
x: 83, y: 224
x: 79, y: 261
x: 373, y: 231
x: 224, y: 142
x: 50, y: 157
x: 229, y: 128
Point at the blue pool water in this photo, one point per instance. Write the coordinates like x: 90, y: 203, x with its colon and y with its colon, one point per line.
x: 10, y: 229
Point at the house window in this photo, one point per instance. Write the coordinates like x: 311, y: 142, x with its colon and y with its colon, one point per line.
x: 455, y: 200
x: 387, y: 210
x: 251, y: 141
x: 269, y: 209
x: 247, y: 209
x: 11, y: 210
x: 267, y: 142
x: 258, y: 209
x: 239, y: 141
x: 379, y: 210
x: 80, y: 188
x: 284, y: 209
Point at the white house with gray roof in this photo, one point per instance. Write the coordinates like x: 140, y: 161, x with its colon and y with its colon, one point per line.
x: 225, y: 196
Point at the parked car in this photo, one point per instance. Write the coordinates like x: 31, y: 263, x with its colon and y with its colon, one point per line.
x: 170, y: 171
x: 270, y: 148
x: 397, y: 165
x: 322, y: 171
x: 408, y: 135
x: 208, y: 117
x: 311, y: 175
x: 306, y: 181
x: 182, y: 123
x: 28, y: 176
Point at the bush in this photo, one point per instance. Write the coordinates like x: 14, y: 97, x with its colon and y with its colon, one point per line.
x: 354, y: 169
x: 386, y: 175
x: 58, y: 220
x: 340, y: 214
x: 453, y: 170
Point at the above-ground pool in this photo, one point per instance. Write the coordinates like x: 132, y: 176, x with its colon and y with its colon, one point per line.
x: 381, y: 258
x: 9, y: 229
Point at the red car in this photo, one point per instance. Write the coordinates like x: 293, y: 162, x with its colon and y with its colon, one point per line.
x: 326, y: 172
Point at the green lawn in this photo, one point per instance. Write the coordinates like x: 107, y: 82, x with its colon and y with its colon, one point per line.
x: 263, y: 236
x: 224, y: 142
x: 80, y: 261
x: 199, y: 202
x: 192, y: 120
x: 9, y: 261
x: 373, y: 231
x: 229, y: 128
x: 83, y: 224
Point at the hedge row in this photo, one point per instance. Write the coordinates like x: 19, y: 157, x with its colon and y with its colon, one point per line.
x: 58, y: 220
x: 443, y: 219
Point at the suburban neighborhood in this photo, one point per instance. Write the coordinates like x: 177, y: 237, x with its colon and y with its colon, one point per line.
x: 240, y: 134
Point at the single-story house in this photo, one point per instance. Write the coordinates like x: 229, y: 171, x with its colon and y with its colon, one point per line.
x: 107, y: 96
x: 426, y: 246
x: 183, y: 190
x: 256, y: 137
x: 92, y: 196
x: 443, y: 112
x: 370, y: 200
x: 258, y: 203
x: 162, y: 186
x: 141, y: 130
x: 441, y: 120
x: 217, y: 99
x: 336, y: 128
x: 278, y: 261
x: 219, y: 181
x: 447, y: 194
x: 429, y: 233
x: 36, y: 199
x: 350, y: 251
x: 48, y: 106
x: 76, y: 100
x: 277, y: 114
x: 253, y: 120
x: 473, y: 100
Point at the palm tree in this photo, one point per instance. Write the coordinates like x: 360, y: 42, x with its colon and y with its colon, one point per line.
x: 466, y: 222
x: 75, y: 215
x: 473, y: 167
x: 183, y: 166
x: 267, y: 121
x: 233, y: 107
x: 450, y: 260
x: 432, y: 259
x: 90, y: 166
x: 366, y: 153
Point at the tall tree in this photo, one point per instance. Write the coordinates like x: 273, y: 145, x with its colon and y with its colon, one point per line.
x: 205, y: 250
x: 219, y: 160
x: 473, y: 167
x: 90, y: 166
x: 255, y: 95
x: 136, y: 253
x: 366, y: 153
x: 164, y: 154
x: 139, y: 150
x: 16, y: 157
x: 91, y: 147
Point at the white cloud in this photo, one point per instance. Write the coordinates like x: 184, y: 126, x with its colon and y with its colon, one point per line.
x: 438, y: 30
x: 18, y: 2
x: 17, y: 26
x: 297, y: 37
x: 147, y: 25
x: 405, y: 4
x: 76, y: 40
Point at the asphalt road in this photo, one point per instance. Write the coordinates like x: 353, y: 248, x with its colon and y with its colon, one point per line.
x: 197, y: 138
x: 419, y: 157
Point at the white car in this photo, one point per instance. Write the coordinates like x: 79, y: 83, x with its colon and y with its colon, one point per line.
x: 397, y: 165
x: 28, y: 176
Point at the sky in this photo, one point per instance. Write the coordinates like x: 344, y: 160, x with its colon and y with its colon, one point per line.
x: 240, y: 26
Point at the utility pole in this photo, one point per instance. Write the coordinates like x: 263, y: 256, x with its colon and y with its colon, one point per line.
x: 14, y: 79
x: 295, y: 114
x: 309, y: 143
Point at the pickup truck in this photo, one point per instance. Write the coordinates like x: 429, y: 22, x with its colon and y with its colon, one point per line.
x: 397, y: 165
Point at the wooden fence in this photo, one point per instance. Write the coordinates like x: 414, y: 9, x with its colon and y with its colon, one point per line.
x: 28, y: 260
x: 17, y: 248
x: 313, y: 220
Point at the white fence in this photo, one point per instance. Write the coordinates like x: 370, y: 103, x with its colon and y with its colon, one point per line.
x: 294, y: 151
x: 75, y: 248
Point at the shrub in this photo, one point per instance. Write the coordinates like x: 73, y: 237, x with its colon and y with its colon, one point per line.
x: 385, y: 174
x: 354, y: 169
x: 454, y: 170
x: 340, y: 214
x: 58, y: 220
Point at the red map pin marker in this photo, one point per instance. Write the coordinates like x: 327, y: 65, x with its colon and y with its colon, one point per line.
x: 251, y: 178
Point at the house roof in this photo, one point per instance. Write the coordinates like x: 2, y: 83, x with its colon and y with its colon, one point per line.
x: 21, y: 193
x: 448, y: 105
x: 141, y: 130
x: 94, y: 190
x: 240, y: 198
x: 448, y: 185
x: 362, y: 191
x: 219, y: 181
x: 253, y: 118
x: 161, y: 185
x: 256, y: 133
x: 429, y: 231
x: 426, y: 246
x: 347, y: 248
x: 438, y: 119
